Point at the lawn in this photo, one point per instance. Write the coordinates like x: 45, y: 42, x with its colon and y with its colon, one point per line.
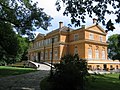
x: 9, y: 71
x: 95, y: 82
x: 104, y: 82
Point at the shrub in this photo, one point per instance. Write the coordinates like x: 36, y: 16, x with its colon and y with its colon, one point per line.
x: 70, y: 73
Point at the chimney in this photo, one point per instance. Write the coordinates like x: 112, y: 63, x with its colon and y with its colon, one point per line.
x: 83, y: 26
x: 60, y: 24
x: 94, y: 21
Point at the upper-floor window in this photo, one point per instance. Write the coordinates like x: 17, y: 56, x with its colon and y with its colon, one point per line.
x: 76, y: 37
x: 101, y: 39
x: 56, y: 39
x: 91, y: 36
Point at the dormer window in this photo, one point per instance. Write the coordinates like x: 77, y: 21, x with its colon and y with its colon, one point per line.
x: 91, y: 36
x: 76, y: 37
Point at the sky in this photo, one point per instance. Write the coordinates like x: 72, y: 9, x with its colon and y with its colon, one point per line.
x: 50, y: 9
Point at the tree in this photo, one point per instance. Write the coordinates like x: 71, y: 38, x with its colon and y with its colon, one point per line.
x: 12, y: 45
x: 8, y: 43
x: 23, y: 15
x: 78, y: 9
x: 22, y: 52
x: 70, y: 73
x: 113, y: 47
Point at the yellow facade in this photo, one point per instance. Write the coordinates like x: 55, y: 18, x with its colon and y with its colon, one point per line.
x: 88, y: 42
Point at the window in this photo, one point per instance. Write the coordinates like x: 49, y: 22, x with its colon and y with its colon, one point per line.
x: 89, y: 53
x: 76, y: 37
x: 46, y: 54
x: 75, y: 50
x: 36, y: 56
x: 42, y: 55
x: 50, y: 54
x: 91, y: 36
x: 96, y: 54
x: 103, y: 54
x: 39, y: 43
x: 56, y: 54
x: 56, y: 39
x: 42, y: 42
x: 101, y: 39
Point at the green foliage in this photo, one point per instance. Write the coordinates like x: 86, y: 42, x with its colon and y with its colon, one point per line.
x: 70, y: 73
x: 8, y: 43
x: 12, y: 46
x: 113, y: 47
x: 78, y: 9
x: 24, y: 16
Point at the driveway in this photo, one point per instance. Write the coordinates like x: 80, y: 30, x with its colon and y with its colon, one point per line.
x: 29, y: 81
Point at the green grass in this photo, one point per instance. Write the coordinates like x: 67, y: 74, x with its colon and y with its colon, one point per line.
x: 9, y: 71
x: 104, y: 82
x: 95, y: 82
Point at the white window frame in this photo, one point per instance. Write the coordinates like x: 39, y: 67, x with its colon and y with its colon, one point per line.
x: 91, y: 36
x: 103, y: 54
x: 96, y: 54
x: 89, y: 53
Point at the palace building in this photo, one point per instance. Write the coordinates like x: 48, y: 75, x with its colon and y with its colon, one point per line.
x: 88, y: 42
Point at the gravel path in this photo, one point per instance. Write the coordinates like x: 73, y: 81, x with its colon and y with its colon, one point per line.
x: 29, y: 81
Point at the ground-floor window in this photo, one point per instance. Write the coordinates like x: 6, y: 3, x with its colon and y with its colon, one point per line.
x: 96, y: 54
x: 75, y: 50
x: 50, y: 54
x: 103, y: 54
x: 42, y: 55
x: 46, y: 54
x: 98, y: 67
x: 89, y: 53
x: 111, y: 67
x: 116, y: 66
x: 89, y: 67
x: 56, y: 54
